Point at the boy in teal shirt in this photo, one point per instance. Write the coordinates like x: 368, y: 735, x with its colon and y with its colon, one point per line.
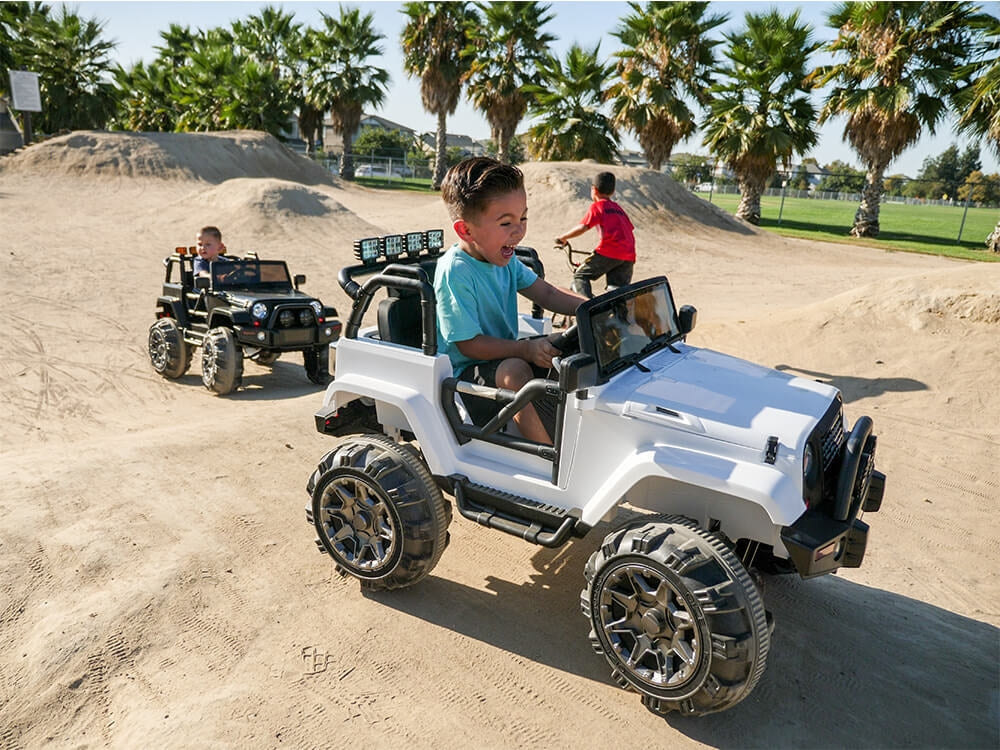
x: 477, y: 282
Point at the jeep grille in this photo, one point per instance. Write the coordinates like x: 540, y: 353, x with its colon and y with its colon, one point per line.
x: 832, y: 441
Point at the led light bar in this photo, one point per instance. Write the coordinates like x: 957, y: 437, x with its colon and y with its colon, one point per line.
x: 414, y: 243
x: 392, y: 244
x: 371, y: 250
x: 368, y: 249
x: 434, y: 239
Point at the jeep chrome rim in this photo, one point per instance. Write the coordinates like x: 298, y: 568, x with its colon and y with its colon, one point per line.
x: 358, y: 524
x: 649, y: 626
x: 209, y: 360
x: 158, y: 349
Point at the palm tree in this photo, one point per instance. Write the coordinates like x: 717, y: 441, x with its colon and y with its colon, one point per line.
x: 977, y: 100
x: 507, y: 48
x: 567, y: 100
x: 762, y: 113
x: 433, y: 41
x: 340, y: 79
x: 72, y: 60
x: 896, y: 74
x: 667, y: 60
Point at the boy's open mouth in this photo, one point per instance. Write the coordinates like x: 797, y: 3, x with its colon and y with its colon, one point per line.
x: 507, y: 251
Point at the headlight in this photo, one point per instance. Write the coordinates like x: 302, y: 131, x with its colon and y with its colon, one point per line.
x: 259, y: 310
x: 286, y: 319
x: 809, y: 465
x: 305, y: 317
x: 317, y: 308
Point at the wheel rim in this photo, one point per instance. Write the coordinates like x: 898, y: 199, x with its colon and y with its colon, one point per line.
x: 358, y: 524
x: 649, y: 626
x: 209, y: 360
x: 158, y: 349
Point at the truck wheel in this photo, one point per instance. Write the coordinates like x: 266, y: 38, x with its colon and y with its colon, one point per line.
x: 221, y: 361
x: 168, y: 353
x: 378, y: 512
x: 317, y: 361
x: 266, y: 358
x: 677, y: 616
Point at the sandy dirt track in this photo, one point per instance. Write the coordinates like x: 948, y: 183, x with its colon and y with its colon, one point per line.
x: 159, y: 586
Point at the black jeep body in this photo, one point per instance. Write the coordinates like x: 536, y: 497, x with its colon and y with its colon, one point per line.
x: 245, y: 307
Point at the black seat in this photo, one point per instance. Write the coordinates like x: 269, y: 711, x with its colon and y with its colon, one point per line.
x: 399, y: 318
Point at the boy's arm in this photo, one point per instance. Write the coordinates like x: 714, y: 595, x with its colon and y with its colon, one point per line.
x: 537, y: 351
x: 553, y: 298
x: 574, y: 232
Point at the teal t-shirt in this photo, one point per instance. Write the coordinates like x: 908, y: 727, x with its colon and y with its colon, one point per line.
x: 475, y: 297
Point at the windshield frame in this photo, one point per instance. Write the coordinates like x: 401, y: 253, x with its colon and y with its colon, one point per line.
x: 611, y: 315
x: 223, y: 279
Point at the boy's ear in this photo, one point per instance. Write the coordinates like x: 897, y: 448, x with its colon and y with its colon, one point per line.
x: 461, y: 229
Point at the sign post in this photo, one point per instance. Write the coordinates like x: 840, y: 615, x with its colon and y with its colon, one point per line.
x: 26, y: 97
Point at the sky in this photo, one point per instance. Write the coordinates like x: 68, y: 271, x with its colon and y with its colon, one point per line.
x: 135, y: 28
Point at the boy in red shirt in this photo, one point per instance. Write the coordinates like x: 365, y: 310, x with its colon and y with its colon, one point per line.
x: 615, y: 251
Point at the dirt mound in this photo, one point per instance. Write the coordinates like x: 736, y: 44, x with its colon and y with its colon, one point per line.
x: 210, y: 157
x: 564, y: 187
x: 968, y: 294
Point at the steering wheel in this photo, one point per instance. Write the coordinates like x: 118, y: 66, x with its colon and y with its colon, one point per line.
x: 566, y: 340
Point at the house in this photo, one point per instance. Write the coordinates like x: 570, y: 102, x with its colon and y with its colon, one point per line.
x: 632, y: 158
x: 814, y: 172
x: 332, y: 142
x: 467, y: 145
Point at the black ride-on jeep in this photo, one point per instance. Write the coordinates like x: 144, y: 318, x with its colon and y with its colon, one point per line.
x: 248, y: 307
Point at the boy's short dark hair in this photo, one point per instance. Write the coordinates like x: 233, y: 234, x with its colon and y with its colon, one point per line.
x: 213, y: 231
x: 473, y: 182
x: 605, y: 183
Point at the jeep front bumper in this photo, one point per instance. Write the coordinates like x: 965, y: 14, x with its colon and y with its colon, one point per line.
x: 289, y: 338
x: 821, y: 542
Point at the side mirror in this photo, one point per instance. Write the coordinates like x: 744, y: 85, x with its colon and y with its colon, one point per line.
x: 300, y: 278
x: 577, y: 371
x: 687, y: 318
x: 202, y: 282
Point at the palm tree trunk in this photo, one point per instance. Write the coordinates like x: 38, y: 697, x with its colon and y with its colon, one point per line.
x: 441, y: 148
x: 346, y: 158
x: 749, y: 208
x: 866, y: 217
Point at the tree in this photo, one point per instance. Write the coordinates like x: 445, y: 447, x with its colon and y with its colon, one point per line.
x: 381, y: 142
x: 340, y: 78
x: 896, y: 72
x: 667, y: 60
x: 507, y: 48
x: 433, y: 42
x: 516, y: 153
x: 842, y: 178
x: 762, y: 112
x: 980, y: 189
x: 978, y: 100
x: 691, y: 168
x: 949, y: 169
x: 568, y: 103
x: 72, y: 60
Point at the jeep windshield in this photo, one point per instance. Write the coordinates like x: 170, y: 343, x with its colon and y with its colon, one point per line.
x: 265, y: 275
x: 628, y: 324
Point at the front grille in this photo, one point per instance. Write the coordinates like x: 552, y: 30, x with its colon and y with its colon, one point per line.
x: 832, y: 441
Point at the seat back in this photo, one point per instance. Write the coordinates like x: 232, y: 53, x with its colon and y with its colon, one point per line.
x: 399, y: 318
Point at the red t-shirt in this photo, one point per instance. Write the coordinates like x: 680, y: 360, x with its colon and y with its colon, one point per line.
x: 617, y: 240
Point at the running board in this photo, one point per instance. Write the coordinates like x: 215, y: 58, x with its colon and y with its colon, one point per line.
x: 530, y: 520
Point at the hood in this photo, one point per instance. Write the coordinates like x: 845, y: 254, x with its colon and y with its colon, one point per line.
x: 709, y: 393
x: 246, y: 299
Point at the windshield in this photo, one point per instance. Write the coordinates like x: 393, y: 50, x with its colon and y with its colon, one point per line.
x: 271, y: 275
x: 629, y: 323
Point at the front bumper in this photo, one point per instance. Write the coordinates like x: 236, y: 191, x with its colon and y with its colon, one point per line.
x: 821, y: 541
x: 290, y: 338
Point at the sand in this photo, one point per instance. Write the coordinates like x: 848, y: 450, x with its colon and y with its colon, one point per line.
x: 160, y: 586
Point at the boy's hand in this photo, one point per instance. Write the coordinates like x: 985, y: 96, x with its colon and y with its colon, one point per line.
x: 540, y: 351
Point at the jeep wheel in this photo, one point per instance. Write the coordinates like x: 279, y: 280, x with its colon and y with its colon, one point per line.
x: 677, y: 616
x: 221, y: 361
x: 266, y: 358
x: 168, y: 353
x: 378, y: 513
x: 317, y: 361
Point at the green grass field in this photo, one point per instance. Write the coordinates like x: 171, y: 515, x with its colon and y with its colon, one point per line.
x: 922, y: 229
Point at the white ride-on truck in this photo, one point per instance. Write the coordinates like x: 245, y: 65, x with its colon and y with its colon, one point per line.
x: 727, y: 467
